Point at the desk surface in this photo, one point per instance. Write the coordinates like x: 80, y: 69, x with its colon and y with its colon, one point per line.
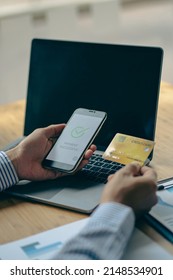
x: 19, y: 219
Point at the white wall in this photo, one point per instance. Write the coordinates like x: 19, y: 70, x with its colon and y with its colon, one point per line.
x: 92, y: 21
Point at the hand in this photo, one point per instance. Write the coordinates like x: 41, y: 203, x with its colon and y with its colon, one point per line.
x: 27, y: 157
x: 133, y: 186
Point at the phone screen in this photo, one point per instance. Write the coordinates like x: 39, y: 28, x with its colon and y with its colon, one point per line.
x: 74, y: 139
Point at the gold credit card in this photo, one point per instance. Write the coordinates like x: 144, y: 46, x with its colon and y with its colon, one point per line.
x: 125, y: 149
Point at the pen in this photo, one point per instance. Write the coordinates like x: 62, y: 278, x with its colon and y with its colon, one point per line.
x: 162, y: 187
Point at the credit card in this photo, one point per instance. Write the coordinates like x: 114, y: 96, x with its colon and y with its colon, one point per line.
x: 125, y: 149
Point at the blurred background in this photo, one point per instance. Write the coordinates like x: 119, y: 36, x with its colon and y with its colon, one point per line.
x: 136, y: 22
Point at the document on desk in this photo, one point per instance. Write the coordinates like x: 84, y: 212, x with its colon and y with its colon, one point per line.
x: 45, y: 245
x: 162, y: 212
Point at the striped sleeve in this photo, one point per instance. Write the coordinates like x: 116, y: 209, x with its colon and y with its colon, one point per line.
x: 8, y: 176
x: 104, y: 237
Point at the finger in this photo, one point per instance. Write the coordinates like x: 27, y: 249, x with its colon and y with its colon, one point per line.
x: 131, y: 169
x: 82, y: 164
x: 93, y: 147
x: 90, y: 152
x: 53, y: 130
x: 149, y: 172
x: 110, y: 177
x: 87, y: 156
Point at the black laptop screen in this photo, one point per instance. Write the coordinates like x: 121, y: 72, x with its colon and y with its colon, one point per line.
x: 120, y: 80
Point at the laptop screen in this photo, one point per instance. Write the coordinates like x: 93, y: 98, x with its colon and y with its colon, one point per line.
x: 121, y: 80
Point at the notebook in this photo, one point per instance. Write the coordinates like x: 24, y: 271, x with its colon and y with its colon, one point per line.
x: 121, y: 80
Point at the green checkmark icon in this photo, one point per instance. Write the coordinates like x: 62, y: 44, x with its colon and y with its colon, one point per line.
x: 78, y: 131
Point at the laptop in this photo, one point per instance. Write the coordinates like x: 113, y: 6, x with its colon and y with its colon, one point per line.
x: 121, y: 80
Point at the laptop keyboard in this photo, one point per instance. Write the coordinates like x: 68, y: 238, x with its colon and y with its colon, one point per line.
x: 98, y: 169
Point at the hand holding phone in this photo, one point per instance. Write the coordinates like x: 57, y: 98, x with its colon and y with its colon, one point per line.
x: 77, y: 136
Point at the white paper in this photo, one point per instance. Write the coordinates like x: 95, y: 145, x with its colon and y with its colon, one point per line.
x: 163, y: 210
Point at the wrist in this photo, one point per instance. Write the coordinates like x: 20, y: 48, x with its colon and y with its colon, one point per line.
x: 13, y: 155
x: 10, y: 176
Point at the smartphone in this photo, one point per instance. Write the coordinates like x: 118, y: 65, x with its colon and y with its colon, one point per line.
x: 77, y: 136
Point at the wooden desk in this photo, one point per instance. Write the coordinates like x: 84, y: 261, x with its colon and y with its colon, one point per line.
x: 19, y: 219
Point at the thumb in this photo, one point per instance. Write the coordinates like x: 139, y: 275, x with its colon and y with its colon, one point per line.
x: 53, y: 130
x: 149, y: 172
x: 133, y: 169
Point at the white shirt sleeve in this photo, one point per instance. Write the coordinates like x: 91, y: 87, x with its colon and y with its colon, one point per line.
x: 8, y: 176
x: 105, y: 236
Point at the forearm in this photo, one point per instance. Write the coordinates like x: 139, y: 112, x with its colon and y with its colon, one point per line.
x: 8, y: 176
x: 104, y: 237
